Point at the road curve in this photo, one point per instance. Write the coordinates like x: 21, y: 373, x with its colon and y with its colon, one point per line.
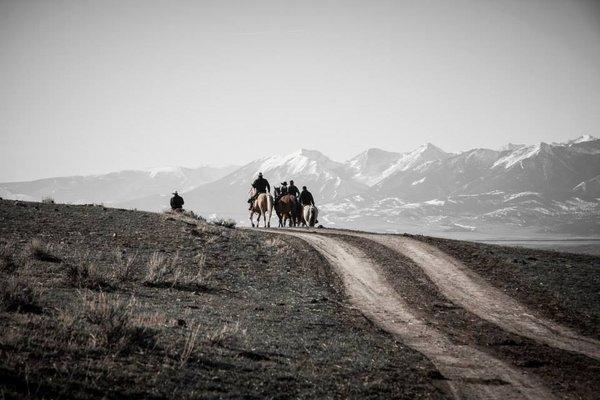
x: 468, y: 290
x: 472, y: 374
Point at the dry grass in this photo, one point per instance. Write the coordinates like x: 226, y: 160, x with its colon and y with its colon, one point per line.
x: 40, y: 251
x: 191, y: 214
x: 48, y: 200
x: 225, y: 222
x: 89, y: 275
x: 189, y: 345
x: 7, y: 257
x: 16, y: 295
x: 125, y: 269
x: 162, y: 272
x: 157, y: 269
x: 220, y: 337
x: 111, y: 319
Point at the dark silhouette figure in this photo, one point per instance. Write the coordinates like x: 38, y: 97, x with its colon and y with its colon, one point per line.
x: 284, y: 188
x: 177, y: 202
x: 306, y: 198
x: 293, y: 189
x: 260, y: 185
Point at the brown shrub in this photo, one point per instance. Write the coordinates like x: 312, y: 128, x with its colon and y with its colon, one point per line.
x: 227, y: 332
x: 39, y: 251
x: 17, y: 295
x: 164, y: 273
x: 125, y: 270
x: 88, y: 275
x: 7, y: 260
x: 112, y: 322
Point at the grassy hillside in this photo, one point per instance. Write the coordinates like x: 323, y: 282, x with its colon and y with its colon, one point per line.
x: 98, y: 302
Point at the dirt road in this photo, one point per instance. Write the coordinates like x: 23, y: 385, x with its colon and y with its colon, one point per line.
x: 471, y: 373
x: 465, y: 288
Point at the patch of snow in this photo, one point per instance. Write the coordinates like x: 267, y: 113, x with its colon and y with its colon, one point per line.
x: 422, y: 154
x: 419, y: 181
x: 518, y: 156
x: 521, y: 194
x: 412, y: 205
x: 153, y: 172
x: 436, y: 202
x: 467, y: 228
x: 583, y: 139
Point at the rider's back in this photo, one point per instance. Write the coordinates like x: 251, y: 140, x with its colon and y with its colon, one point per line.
x: 261, y: 185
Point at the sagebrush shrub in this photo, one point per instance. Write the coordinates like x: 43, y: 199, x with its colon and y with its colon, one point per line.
x: 40, y: 251
x: 17, y: 295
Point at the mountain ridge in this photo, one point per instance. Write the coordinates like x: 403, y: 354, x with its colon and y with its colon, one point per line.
x: 546, y: 186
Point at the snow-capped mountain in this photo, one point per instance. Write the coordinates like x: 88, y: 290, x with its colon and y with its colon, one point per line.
x: 553, y: 187
x: 328, y: 181
x: 368, y: 167
x: 113, y: 187
x: 542, y: 188
x: 375, y: 165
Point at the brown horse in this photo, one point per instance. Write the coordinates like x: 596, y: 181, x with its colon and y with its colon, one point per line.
x: 285, y: 209
x: 263, y: 206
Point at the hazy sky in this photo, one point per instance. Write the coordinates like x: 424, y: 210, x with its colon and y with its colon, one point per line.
x: 95, y: 86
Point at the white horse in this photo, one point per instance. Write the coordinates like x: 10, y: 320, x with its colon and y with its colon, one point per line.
x: 263, y: 206
x: 309, y: 214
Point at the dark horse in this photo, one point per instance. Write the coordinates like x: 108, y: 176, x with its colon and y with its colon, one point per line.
x: 286, y: 208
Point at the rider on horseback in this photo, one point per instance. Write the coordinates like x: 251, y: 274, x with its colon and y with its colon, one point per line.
x: 284, y: 188
x: 260, y: 185
x: 306, y: 199
x: 293, y: 190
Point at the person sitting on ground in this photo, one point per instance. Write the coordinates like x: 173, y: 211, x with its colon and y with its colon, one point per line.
x: 260, y: 185
x: 176, y: 202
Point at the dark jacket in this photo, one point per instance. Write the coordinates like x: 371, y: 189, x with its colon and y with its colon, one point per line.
x: 261, y: 185
x: 292, y: 189
x: 306, y: 198
x: 176, y: 202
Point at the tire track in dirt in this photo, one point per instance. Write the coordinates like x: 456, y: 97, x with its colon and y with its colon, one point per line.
x: 468, y: 290
x: 472, y: 374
